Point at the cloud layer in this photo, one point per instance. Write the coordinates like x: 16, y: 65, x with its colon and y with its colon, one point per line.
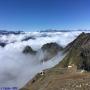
x: 16, y: 68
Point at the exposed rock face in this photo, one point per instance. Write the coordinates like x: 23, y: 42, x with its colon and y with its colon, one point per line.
x: 28, y: 49
x: 50, y: 50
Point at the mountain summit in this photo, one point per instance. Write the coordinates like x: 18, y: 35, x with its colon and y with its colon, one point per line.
x: 79, y: 53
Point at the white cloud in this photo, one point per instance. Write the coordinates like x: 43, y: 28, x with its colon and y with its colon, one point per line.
x: 16, y: 68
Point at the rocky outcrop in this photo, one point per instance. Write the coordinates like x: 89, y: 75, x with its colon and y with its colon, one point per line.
x: 50, y: 50
x: 29, y: 50
x: 52, y: 47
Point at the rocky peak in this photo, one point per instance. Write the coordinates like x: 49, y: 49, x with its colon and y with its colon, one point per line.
x: 28, y: 49
x: 79, y: 52
x: 52, y: 47
x: 50, y: 50
x: 81, y: 40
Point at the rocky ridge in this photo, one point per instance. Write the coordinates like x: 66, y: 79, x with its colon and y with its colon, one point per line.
x: 72, y: 73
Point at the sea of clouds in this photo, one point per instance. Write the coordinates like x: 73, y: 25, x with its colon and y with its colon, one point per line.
x: 17, y: 68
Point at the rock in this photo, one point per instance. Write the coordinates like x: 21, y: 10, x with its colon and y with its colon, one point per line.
x: 29, y: 50
x: 50, y: 46
x: 50, y: 50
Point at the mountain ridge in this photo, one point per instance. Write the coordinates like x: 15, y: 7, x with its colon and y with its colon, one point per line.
x: 60, y: 77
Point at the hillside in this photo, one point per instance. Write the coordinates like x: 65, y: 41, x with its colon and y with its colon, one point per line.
x: 71, y: 73
x: 79, y: 53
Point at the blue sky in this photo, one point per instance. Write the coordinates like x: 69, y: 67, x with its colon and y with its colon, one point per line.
x: 32, y: 15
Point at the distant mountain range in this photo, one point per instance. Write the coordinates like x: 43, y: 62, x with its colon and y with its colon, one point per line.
x: 5, y: 32
x: 51, y: 30
x: 7, y: 37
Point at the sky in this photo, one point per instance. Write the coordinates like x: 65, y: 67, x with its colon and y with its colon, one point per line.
x: 36, y: 15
